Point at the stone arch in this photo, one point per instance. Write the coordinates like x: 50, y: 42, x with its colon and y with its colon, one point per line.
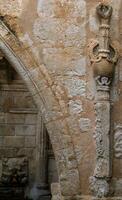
x: 49, y: 103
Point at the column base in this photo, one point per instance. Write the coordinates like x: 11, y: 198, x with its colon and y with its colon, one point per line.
x: 44, y: 193
x: 39, y: 192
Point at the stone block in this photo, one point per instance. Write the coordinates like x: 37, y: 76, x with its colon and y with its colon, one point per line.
x: 78, y: 67
x: 13, y: 118
x: 24, y: 99
x: 25, y: 130
x: 69, y: 181
x: 75, y: 106
x: 67, y: 159
x: 8, y: 152
x: 14, y: 141
x: 59, y: 128
x: 12, y: 8
x: 30, y: 119
x: 30, y: 141
x: 85, y: 124
x: 29, y: 152
x: 75, y: 86
x: 7, y: 130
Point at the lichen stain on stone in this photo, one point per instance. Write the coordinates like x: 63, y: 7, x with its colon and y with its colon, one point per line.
x: 62, y: 10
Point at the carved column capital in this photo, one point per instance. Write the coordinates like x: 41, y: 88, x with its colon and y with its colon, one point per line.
x: 103, y: 55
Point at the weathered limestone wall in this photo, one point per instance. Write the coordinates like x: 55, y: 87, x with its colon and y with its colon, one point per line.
x: 18, y: 120
x: 51, y: 39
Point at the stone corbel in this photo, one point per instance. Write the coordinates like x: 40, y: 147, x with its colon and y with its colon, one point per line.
x: 103, y: 57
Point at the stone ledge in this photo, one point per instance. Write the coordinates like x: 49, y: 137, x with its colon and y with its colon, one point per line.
x: 78, y: 197
x: 95, y: 198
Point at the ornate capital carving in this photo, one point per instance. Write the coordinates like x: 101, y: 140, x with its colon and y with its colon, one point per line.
x: 104, y: 11
x: 103, y: 55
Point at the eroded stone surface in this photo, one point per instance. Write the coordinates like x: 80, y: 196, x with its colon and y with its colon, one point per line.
x: 52, y: 37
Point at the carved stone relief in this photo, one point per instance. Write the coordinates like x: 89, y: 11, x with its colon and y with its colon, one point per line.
x: 103, y: 58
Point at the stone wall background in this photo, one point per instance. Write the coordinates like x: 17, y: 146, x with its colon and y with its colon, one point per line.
x: 18, y: 119
x: 55, y: 34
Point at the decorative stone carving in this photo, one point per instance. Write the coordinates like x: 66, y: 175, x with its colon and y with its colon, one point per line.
x: 118, y: 142
x: 103, y: 55
x: 14, y: 172
x: 103, y: 58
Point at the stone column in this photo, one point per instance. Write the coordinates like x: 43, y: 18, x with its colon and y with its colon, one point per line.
x: 42, y: 161
x: 102, y: 173
x: 103, y: 59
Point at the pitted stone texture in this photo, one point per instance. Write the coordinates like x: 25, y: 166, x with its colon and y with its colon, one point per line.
x: 61, y: 39
x: 77, y: 67
x: 56, y: 10
x: 70, y: 182
x: 100, y: 187
x: 12, y: 8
